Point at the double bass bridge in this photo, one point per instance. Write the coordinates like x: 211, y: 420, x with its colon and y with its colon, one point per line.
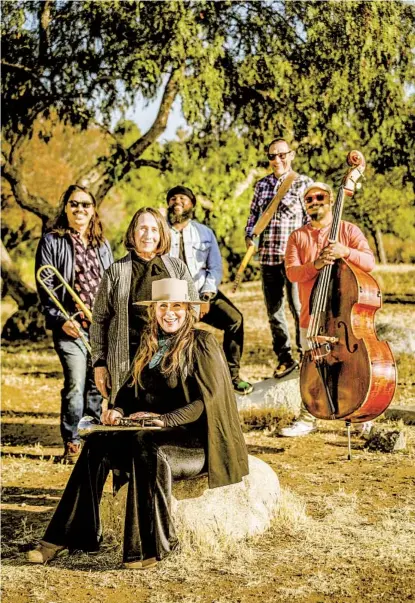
x: 321, y: 346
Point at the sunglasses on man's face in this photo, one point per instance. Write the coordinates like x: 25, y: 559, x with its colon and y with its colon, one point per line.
x: 82, y: 204
x: 282, y: 156
x: 316, y: 197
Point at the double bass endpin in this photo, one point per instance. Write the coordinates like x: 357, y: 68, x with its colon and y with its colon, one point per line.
x: 349, y: 443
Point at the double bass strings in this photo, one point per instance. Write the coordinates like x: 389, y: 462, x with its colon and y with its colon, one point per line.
x: 323, y: 284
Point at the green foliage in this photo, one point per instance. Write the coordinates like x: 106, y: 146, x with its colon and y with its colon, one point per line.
x: 331, y: 75
x: 214, y: 170
x: 315, y: 70
x: 385, y: 202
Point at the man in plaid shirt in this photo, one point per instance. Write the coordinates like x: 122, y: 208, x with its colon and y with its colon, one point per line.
x: 289, y: 216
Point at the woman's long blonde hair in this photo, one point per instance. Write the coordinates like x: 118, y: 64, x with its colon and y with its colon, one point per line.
x: 179, y: 353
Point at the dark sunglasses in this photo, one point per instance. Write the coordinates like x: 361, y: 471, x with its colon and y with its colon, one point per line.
x: 281, y: 156
x: 317, y: 196
x: 82, y: 204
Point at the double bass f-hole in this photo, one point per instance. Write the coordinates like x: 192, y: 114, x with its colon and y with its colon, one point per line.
x: 341, y: 323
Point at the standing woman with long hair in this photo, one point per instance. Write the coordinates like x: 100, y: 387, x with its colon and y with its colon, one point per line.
x: 76, y: 247
x: 118, y: 322
x: 180, y: 382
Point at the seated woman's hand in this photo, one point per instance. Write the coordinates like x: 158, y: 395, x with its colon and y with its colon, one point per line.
x: 151, y: 417
x: 110, y: 417
x: 143, y: 415
x: 158, y: 423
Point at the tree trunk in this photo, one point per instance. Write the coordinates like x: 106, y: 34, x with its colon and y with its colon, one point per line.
x: 380, y: 249
x: 28, y: 321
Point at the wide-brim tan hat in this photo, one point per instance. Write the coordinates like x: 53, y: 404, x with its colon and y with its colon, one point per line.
x: 169, y: 290
x: 321, y: 185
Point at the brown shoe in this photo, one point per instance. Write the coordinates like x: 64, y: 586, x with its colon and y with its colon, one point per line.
x: 285, y: 367
x: 141, y: 564
x: 72, y: 452
x: 44, y: 552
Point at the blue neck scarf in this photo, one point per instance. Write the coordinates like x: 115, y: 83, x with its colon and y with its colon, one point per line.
x: 164, y: 342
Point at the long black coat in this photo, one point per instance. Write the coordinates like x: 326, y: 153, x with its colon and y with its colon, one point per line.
x: 209, y: 380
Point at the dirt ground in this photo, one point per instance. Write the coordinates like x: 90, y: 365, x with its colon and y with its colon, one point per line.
x: 345, y: 531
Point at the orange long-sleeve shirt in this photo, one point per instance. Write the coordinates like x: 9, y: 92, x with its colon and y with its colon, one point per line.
x: 304, y: 246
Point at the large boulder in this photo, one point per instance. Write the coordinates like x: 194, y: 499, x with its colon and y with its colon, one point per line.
x: 232, y: 512
x: 274, y: 394
x: 400, y: 338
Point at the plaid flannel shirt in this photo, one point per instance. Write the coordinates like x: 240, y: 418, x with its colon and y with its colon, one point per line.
x: 289, y: 216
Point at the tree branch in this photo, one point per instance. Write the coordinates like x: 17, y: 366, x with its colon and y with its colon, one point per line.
x: 101, y: 178
x: 39, y: 206
x: 18, y: 67
x: 14, y: 286
x: 160, y: 123
x: 242, y: 186
x: 35, y: 76
x: 158, y: 165
x: 44, y: 21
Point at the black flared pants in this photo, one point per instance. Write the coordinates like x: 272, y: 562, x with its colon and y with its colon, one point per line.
x: 150, y: 460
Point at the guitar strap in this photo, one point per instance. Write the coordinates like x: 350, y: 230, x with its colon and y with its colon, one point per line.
x: 262, y: 223
x: 272, y: 207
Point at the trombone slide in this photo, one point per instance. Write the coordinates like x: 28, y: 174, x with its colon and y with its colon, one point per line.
x: 51, y: 292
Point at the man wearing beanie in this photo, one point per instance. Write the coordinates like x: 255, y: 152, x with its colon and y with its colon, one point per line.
x: 196, y: 245
x: 308, y: 251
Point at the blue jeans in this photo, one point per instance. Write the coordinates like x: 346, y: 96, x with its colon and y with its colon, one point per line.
x: 274, y: 280
x: 79, y: 395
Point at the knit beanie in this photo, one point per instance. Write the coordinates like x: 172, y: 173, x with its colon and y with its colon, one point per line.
x: 181, y: 190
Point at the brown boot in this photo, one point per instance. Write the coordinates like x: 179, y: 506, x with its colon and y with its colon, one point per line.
x: 71, y: 454
x: 44, y: 552
x: 142, y: 564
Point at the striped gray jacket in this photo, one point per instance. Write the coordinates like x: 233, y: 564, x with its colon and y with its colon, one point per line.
x: 109, y: 332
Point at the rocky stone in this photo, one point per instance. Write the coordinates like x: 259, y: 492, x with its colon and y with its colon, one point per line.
x: 274, y: 394
x: 231, y: 512
x: 386, y: 440
x: 401, y: 413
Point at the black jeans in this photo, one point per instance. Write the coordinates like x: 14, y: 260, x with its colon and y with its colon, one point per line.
x: 225, y: 316
x: 274, y: 280
x: 150, y: 460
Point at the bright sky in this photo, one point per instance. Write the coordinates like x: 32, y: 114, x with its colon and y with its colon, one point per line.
x: 144, y: 116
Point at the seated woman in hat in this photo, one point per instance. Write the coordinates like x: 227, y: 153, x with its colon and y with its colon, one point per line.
x: 180, y: 379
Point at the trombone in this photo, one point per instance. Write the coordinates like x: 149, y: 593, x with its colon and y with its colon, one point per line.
x: 51, y: 292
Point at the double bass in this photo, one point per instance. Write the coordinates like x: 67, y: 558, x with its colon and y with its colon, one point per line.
x: 347, y: 373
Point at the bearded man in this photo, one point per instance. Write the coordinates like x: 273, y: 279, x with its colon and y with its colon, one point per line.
x: 308, y: 251
x: 196, y: 245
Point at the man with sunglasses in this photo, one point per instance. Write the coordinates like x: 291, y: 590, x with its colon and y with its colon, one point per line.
x: 308, y: 251
x: 289, y: 215
x: 76, y: 247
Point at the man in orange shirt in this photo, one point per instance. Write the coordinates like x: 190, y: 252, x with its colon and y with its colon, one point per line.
x: 308, y: 251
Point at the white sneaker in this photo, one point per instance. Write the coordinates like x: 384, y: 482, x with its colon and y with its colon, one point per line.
x: 364, y: 429
x: 298, y: 428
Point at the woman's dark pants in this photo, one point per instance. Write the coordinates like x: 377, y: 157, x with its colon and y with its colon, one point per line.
x: 151, y: 459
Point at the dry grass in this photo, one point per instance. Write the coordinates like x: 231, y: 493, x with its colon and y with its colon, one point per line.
x: 295, y: 539
x: 342, y: 532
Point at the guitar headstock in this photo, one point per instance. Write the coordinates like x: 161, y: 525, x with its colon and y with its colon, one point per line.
x: 357, y: 163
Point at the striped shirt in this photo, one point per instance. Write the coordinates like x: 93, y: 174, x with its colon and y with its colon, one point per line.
x: 289, y: 216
